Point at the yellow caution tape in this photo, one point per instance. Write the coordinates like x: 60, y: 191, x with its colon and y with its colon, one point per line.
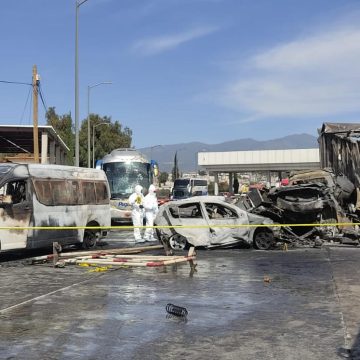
x: 130, y: 227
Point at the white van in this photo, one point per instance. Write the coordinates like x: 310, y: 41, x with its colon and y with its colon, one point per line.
x: 188, y: 187
x: 55, y: 196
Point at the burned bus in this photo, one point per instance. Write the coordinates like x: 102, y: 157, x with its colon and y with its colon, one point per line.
x: 68, y: 200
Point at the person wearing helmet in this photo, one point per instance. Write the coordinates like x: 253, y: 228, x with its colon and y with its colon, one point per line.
x: 151, y: 209
x: 136, y: 201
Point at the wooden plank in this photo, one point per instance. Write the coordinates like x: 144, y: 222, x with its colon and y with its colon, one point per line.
x: 192, y: 252
x: 74, y: 254
x: 129, y: 257
x: 113, y: 251
x: 127, y: 263
x: 107, y: 262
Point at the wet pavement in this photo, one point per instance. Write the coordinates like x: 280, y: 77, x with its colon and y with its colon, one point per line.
x: 242, y: 304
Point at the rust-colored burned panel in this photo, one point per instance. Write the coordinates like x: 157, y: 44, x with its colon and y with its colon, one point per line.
x: 334, y: 128
x: 339, y: 149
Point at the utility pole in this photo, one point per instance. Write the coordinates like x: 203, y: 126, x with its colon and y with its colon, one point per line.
x: 35, y: 84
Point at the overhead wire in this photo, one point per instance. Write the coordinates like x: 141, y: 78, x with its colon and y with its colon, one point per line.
x: 27, y: 99
x: 15, y: 82
x: 26, y: 102
x: 31, y: 96
x: 42, y: 97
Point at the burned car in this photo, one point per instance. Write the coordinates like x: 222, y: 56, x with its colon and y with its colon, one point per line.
x: 209, y: 222
x: 308, y: 206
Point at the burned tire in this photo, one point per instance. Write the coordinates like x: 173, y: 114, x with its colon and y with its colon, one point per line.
x: 263, y: 239
x: 178, y: 242
x: 90, y: 239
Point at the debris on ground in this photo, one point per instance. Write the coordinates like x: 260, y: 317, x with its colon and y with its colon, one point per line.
x: 105, y: 260
x: 316, y: 206
x: 131, y: 260
x: 176, y: 310
x: 57, y: 254
x: 267, y: 279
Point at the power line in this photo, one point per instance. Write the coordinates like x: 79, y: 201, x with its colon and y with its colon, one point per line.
x: 42, y: 98
x: 31, y: 95
x: 27, y: 100
x: 14, y: 82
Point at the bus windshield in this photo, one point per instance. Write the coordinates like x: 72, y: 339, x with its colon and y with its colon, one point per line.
x: 124, y: 176
x: 181, y: 182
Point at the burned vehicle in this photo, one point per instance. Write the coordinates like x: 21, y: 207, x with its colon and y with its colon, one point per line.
x: 309, y: 205
x: 209, y: 222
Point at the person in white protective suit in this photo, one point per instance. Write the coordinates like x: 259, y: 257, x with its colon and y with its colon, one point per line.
x: 151, y: 208
x: 136, y: 201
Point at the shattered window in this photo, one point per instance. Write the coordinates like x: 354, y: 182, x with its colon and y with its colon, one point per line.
x: 217, y: 211
x: 186, y: 211
x: 123, y: 177
x: 61, y: 192
x: 13, y: 192
x: 69, y: 192
x: 74, y: 188
x: 43, y: 192
x: 102, y: 196
x: 88, y: 191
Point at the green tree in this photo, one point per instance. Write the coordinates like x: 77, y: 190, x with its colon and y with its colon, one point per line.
x: 63, y: 125
x: 175, y: 170
x: 106, y: 137
x: 163, y: 177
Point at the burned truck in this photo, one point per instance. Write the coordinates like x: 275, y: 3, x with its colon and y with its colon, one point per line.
x: 308, y: 206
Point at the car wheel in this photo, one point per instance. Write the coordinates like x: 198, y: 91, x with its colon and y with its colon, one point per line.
x: 263, y: 239
x: 90, y: 239
x: 178, y: 242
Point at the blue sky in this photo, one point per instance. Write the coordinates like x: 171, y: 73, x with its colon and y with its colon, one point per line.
x: 188, y: 70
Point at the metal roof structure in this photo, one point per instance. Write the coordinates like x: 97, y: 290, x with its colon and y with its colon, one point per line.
x: 17, y: 145
x: 16, y: 139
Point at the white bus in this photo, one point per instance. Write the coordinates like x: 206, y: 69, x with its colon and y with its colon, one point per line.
x: 125, y: 168
x: 34, y: 195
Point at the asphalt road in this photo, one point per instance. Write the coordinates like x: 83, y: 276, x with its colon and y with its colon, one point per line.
x: 242, y: 304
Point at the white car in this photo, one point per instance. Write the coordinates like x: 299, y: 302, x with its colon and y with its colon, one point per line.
x: 207, y: 221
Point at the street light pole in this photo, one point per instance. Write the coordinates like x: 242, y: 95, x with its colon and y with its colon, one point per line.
x: 151, y: 149
x: 88, y: 118
x: 93, y: 139
x: 77, y: 5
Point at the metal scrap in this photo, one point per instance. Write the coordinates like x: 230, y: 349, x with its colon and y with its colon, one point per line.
x: 308, y: 206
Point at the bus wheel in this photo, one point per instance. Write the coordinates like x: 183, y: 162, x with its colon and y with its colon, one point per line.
x: 90, y: 239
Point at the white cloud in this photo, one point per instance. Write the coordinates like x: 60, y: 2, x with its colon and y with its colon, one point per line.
x: 155, y: 45
x: 315, y: 76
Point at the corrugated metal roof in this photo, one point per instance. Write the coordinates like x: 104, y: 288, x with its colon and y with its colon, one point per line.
x: 19, y: 138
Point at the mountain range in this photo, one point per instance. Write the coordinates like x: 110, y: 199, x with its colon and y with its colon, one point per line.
x: 187, y: 152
